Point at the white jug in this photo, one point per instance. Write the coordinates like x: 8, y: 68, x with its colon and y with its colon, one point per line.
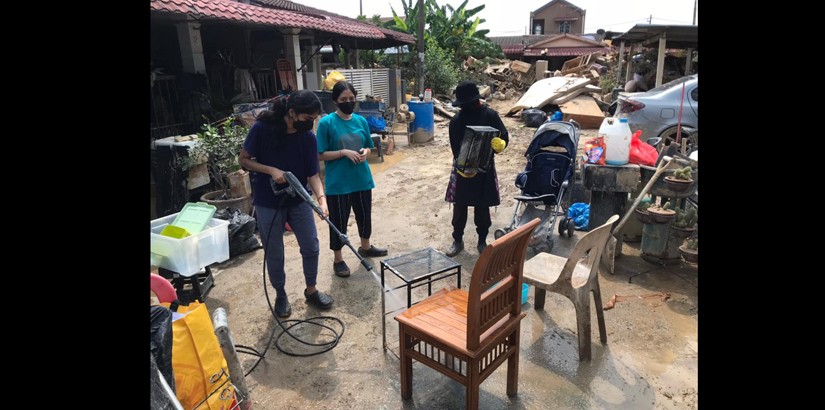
x: 616, y: 133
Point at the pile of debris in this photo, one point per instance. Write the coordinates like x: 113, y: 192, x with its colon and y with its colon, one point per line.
x: 574, y: 90
x: 512, y: 75
x: 588, y: 66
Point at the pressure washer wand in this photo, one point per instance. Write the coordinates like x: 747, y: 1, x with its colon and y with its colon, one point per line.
x: 295, y: 187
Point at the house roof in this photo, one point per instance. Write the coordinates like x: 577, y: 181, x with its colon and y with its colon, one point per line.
x: 297, y: 16
x: 515, y: 44
x: 538, y: 45
x: 678, y: 36
x: 289, y: 5
x: 565, y: 51
x: 585, y: 42
x: 575, y: 7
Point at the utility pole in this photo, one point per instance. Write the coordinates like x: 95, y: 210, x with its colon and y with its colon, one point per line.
x: 421, y: 13
x: 650, y: 20
x: 360, y: 7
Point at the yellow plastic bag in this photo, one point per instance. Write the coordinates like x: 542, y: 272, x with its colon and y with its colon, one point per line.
x: 333, y: 78
x: 200, y: 369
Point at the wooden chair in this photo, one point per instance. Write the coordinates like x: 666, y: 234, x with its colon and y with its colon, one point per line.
x: 467, y: 335
x: 574, y: 277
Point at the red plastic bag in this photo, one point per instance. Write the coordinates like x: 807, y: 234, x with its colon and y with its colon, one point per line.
x: 642, y: 153
x: 594, y: 150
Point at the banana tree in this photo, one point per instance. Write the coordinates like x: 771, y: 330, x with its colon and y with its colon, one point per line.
x: 452, y: 28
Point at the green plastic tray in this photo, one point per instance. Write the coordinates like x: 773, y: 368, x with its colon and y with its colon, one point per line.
x: 194, y: 217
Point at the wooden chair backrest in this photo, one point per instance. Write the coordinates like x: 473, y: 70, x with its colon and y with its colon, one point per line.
x: 495, y: 285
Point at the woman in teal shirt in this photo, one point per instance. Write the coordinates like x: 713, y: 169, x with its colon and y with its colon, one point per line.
x: 344, y: 142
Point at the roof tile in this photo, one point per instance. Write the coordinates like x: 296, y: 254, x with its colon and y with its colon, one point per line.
x: 230, y: 10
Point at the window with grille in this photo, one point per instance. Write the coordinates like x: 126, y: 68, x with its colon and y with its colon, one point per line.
x: 564, y: 27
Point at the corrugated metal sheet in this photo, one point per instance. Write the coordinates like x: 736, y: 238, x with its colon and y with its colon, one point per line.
x: 368, y: 81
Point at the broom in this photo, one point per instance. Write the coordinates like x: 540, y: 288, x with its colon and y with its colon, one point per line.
x: 610, y: 248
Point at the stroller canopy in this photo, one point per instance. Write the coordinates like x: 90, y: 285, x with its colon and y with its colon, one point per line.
x: 558, y: 134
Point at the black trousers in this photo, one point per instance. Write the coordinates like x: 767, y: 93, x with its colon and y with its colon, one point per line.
x: 339, y: 209
x: 481, y: 219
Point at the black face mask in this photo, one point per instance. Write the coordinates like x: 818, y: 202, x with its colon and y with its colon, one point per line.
x: 347, y: 107
x: 303, y: 126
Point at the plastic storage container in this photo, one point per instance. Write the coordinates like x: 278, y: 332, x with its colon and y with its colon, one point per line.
x: 424, y: 122
x: 194, y: 217
x: 616, y: 133
x: 189, y: 255
x: 371, y: 106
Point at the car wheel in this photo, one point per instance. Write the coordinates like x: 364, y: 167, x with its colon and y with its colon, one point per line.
x: 668, y: 136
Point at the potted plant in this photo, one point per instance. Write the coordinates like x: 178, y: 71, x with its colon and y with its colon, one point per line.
x: 641, y: 212
x: 219, y: 146
x: 690, y: 250
x: 661, y: 214
x: 685, y: 220
x: 681, y: 179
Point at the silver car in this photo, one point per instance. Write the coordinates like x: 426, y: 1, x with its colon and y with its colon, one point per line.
x: 656, y: 112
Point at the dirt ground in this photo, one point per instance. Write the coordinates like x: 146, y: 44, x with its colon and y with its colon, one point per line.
x: 650, y: 361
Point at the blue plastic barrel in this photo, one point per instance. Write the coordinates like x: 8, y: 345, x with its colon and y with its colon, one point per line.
x: 424, y: 123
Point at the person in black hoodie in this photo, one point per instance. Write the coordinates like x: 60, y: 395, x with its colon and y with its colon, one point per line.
x: 477, y: 190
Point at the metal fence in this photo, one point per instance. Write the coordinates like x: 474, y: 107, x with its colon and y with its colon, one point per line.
x: 173, y: 111
x: 265, y: 83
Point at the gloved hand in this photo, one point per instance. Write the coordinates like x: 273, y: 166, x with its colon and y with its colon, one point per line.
x: 467, y: 175
x: 498, y: 145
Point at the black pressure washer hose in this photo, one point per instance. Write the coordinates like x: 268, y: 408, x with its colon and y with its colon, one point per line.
x: 296, y: 188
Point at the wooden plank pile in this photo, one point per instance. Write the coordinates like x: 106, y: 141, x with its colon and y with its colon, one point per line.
x: 573, y: 89
x: 511, y: 75
x: 586, y: 66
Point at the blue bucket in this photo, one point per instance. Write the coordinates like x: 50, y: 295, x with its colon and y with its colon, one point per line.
x: 424, y: 123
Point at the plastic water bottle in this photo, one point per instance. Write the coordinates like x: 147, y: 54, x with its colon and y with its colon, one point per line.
x: 616, y: 133
x: 428, y: 95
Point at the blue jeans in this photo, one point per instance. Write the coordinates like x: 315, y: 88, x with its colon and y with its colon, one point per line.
x: 302, y: 221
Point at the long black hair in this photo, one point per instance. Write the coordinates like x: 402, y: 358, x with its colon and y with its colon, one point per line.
x: 302, y: 101
x: 340, y: 87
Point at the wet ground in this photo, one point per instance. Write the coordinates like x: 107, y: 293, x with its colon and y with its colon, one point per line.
x: 650, y: 360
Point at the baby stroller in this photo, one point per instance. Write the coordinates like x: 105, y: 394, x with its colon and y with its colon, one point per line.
x: 551, y: 160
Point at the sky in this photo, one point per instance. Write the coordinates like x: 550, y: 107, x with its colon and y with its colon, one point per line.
x: 511, y: 17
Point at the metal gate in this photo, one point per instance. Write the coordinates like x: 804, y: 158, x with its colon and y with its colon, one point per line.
x: 173, y: 111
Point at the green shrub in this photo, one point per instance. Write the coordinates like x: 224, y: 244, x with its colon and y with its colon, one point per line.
x: 218, y: 146
x: 440, y: 74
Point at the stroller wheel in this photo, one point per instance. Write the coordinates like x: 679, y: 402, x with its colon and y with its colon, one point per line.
x: 499, y: 233
x: 563, y: 225
x: 571, y: 226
